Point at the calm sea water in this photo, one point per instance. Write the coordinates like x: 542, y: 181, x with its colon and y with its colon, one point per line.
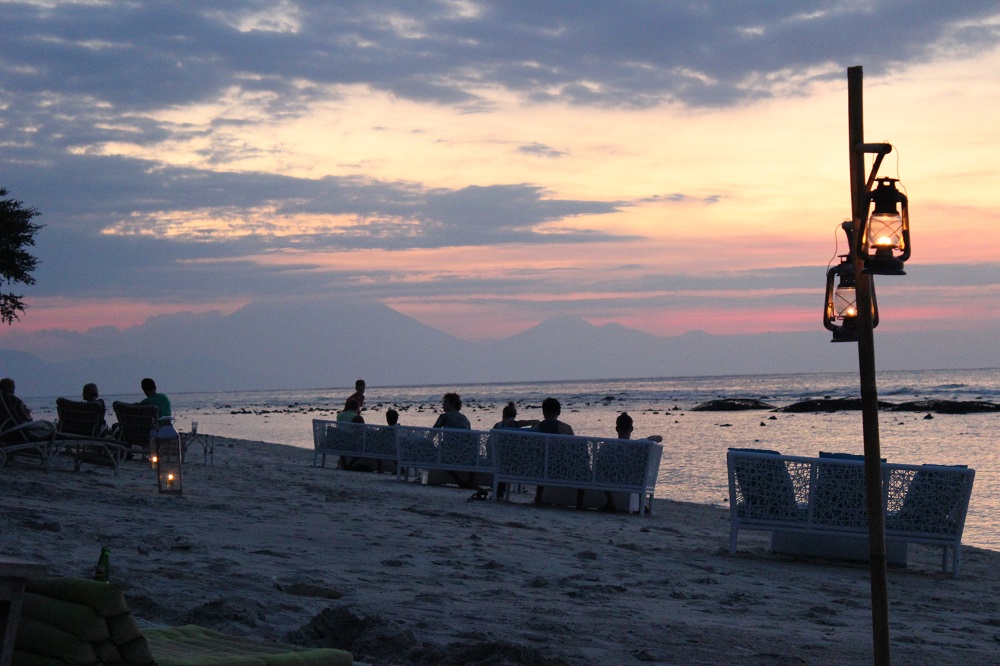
x: 694, y: 464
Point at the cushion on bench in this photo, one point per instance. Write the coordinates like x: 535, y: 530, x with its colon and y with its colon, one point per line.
x: 842, y: 456
x: 77, y: 621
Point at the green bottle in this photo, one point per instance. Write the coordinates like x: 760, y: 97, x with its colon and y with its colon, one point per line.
x: 102, y: 571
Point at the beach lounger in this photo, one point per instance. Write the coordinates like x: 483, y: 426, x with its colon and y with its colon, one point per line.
x: 80, y: 428
x: 82, y: 621
x: 34, y: 438
x: 135, y: 422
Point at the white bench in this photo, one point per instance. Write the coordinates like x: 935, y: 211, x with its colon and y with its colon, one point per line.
x: 627, y: 469
x: 353, y: 441
x: 561, y: 464
x: 446, y: 455
x: 816, y: 506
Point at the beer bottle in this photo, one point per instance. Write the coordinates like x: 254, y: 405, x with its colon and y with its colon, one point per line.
x: 102, y: 571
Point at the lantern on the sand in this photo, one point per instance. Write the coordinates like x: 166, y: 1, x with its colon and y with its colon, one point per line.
x: 167, y: 451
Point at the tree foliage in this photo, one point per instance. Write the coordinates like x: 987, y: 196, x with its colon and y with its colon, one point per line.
x: 17, y: 232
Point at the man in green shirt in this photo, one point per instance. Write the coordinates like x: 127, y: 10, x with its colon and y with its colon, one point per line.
x: 161, y: 401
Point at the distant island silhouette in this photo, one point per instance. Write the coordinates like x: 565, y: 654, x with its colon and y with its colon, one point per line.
x: 849, y: 404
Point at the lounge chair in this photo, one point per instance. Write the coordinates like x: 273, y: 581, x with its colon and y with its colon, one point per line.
x: 82, y: 430
x: 34, y: 438
x: 82, y: 621
x: 135, y: 422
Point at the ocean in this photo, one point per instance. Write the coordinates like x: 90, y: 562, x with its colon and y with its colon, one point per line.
x: 694, y: 463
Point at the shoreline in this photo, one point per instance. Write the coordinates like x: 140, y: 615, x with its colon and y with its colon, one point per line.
x: 262, y: 544
x: 693, y: 468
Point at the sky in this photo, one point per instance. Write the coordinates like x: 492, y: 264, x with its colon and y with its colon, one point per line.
x: 484, y: 166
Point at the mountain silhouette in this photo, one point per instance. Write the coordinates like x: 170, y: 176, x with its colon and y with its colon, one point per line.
x: 330, y: 343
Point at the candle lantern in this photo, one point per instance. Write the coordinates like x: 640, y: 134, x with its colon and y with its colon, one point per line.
x: 167, y: 449
x: 842, y: 303
x: 885, y: 239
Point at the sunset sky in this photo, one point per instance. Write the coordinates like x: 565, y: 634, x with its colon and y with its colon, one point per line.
x: 482, y: 166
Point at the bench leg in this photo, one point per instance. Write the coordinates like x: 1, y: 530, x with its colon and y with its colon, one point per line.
x: 641, y: 503
x: 648, y: 502
x: 956, y: 559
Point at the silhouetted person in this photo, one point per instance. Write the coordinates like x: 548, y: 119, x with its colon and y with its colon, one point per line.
x: 358, y: 395
x: 90, y: 394
x: 452, y: 417
x: 15, y: 406
x: 509, y: 419
x: 19, y: 412
x: 161, y: 401
x: 550, y: 424
x: 623, y: 426
x: 350, y: 413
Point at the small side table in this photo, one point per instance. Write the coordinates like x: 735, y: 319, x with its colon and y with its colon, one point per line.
x: 207, y: 444
x: 13, y: 574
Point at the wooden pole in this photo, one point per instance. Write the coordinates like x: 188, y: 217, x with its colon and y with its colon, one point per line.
x: 866, y: 364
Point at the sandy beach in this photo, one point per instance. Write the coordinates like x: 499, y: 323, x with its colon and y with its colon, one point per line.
x: 262, y: 544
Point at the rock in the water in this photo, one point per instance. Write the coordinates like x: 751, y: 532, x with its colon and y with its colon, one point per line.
x: 948, y: 406
x: 832, y: 405
x: 732, y: 405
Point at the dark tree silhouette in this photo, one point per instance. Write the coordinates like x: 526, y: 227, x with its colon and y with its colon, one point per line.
x: 17, y: 232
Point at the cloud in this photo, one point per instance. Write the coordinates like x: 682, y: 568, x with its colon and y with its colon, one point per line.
x: 541, y: 150
x: 84, y: 193
x: 125, y: 222
x: 142, y: 56
x: 678, y: 197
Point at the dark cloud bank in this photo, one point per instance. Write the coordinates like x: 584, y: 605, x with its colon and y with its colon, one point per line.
x: 75, y: 76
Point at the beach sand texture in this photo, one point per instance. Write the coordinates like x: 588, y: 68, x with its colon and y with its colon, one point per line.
x: 262, y: 544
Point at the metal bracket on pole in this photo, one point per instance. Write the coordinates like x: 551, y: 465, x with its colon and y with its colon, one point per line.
x: 880, y: 150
